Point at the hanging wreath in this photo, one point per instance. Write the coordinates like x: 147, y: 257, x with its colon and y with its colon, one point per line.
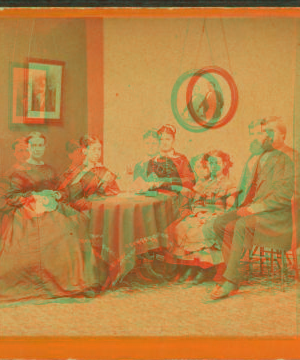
x: 192, y: 126
x: 215, y: 122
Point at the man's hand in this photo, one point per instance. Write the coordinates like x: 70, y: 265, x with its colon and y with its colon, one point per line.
x: 244, y: 211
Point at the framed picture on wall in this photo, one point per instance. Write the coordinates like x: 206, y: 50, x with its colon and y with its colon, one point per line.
x: 44, y: 90
x: 36, y: 89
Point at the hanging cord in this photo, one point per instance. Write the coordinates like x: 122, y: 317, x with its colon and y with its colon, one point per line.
x: 226, y: 45
x: 29, y: 49
x: 31, y: 36
x: 54, y: 42
x: 210, y: 49
x: 200, y: 42
x: 186, y: 35
x: 16, y: 36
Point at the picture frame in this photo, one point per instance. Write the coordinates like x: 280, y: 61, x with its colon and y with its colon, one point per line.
x: 17, y: 94
x: 36, y: 89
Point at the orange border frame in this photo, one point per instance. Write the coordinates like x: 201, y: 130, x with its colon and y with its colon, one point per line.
x: 148, y: 347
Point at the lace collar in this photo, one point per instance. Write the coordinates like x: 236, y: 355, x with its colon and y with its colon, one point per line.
x: 87, y: 167
x: 33, y: 162
x: 171, y: 154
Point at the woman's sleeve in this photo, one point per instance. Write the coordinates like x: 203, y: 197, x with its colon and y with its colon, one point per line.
x: 77, y: 196
x: 101, y: 182
x: 75, y: 191
x: 150, y: 168
x: 4, y: 188
x: 110, y: 186
x: 55, y: 185
x: 66, y: 178
x: 186, y: 174
x: 231, y: 192
x: 16, y: 195
x: 137, y: 172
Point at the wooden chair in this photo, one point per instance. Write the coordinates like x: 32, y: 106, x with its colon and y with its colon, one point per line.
x: 279, y: 256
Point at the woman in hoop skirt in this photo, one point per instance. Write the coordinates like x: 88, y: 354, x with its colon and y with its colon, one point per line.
x: 41, y: 254
x: 87, y: 183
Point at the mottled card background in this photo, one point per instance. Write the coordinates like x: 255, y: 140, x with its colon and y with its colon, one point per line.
x: 143, y: 58
x: 118, y: 82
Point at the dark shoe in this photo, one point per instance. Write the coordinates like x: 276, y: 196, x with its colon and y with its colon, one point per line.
x: 89, y: 294
x: 107, y: 284
x: 185, y: 275
x: 86, y: 293
x: 171, y: 270
x: 224, y: 290
x: 204, y: 275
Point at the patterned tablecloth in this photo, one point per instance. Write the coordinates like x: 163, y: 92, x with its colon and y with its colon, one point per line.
x: 127, y: 225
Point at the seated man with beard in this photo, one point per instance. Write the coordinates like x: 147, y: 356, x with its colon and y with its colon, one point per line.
x: 264, y: 208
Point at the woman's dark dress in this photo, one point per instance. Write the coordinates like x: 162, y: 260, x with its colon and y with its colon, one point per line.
x: 41, y: 255
x: 175, y: 170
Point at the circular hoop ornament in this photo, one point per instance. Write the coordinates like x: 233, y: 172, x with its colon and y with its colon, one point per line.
x: 234, y: 97
x: 181, y: 121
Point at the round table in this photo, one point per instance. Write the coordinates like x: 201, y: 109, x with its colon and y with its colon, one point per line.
x: 126, y: 225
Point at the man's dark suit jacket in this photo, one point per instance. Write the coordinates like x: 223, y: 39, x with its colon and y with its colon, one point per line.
x: 271, y: 203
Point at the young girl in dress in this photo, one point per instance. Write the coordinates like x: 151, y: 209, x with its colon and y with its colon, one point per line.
x: 193, y: 241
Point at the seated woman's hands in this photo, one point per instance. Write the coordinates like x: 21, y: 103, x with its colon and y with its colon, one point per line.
x: 44, y: 201
x: 140, y: 185
x: 153, y: 178
x: 48, y: 194
x: 153, y: 182
x: 28, y: 202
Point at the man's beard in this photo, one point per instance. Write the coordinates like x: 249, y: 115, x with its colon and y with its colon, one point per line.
x: 257, y: 148
x: 267, y: 144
